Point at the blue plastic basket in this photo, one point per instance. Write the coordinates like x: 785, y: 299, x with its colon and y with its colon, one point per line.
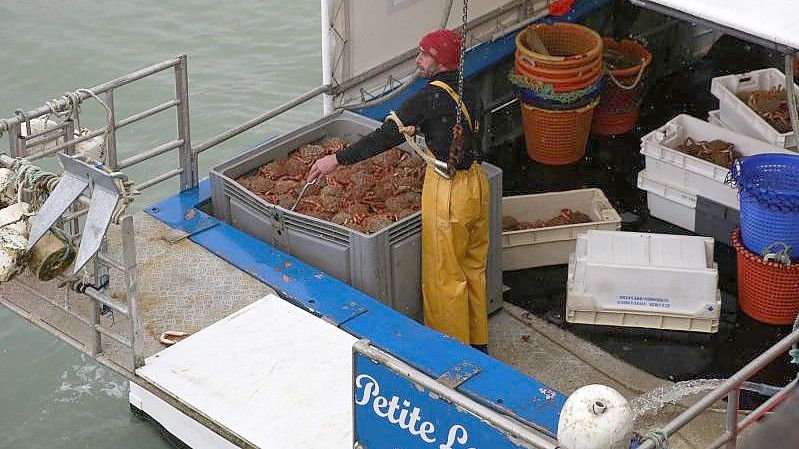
x: 768, y: 188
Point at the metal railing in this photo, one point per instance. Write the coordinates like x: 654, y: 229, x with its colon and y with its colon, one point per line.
x: 731, y: 389
x: 62, y: 137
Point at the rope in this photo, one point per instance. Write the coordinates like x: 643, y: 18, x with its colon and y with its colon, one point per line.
x: 408, y: 131
x: 635, y: 83
x: 659, y: 437
x: 782, y: 256
x: 109, y: 122
x: 33, y: 179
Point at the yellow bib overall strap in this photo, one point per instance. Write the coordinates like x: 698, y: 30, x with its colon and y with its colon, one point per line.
x: 457, y: 98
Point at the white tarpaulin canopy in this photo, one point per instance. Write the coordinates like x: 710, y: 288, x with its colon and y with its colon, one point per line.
x: 775, y: 21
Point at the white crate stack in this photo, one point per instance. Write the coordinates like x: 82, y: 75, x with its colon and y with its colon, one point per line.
x: 635, y: 279
x: 673, y: 179
x: 738, y: 116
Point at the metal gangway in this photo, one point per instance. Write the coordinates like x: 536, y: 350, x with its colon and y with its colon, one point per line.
x: 25, y: 142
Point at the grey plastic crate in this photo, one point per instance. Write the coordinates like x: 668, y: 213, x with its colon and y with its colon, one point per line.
x: 385, y: 265
x: 715, y: 220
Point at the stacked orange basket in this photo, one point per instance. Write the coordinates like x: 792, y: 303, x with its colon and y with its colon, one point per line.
x: 558, y: 71
x: 625, y: 63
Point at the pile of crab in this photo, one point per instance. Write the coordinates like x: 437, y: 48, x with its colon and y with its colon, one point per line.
x: 565, y: 217
x: 717, y: 151
x: 772, y: 105
x: 366, y: 197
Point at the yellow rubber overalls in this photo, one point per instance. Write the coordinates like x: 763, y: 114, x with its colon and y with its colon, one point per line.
x: 455, y: 250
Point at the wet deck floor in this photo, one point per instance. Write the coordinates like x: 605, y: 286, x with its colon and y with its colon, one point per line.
x: 612, y: 164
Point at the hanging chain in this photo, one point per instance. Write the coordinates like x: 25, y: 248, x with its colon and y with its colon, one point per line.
x: 460, y: 66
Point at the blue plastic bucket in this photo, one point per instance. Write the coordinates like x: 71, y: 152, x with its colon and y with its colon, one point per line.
x: 768, y: 189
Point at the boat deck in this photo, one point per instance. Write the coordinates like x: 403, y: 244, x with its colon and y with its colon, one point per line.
x: 176, y: 293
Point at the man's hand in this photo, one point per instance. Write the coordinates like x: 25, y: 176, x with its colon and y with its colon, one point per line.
x: 322, y: 166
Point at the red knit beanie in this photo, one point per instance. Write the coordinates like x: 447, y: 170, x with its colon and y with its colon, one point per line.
x: 444, y: 45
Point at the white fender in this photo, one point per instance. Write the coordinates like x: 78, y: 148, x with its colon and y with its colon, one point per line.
x: 90, y: 148
x: 5, y: 181
x: 595, y: 417
x: 13, y: 238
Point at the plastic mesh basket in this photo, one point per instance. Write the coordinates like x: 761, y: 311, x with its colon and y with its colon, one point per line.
x: 768, y: 186
x: 557, y: 137
x: 618, y: 109
x: 569, y: 46
x: 767, y: 291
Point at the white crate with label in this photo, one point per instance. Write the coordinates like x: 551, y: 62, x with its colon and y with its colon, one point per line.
x: 634, y: 279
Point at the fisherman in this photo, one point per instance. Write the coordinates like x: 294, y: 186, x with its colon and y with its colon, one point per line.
x: 455, y: 210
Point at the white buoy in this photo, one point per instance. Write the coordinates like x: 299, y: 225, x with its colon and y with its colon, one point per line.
x: 5, y: 181
x: 89, y: 148
x: 595, y: 417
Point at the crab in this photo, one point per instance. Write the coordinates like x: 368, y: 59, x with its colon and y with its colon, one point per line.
x: 366, y: 196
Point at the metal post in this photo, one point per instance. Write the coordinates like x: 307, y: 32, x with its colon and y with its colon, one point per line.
x: 97, y: 341
x: 327, y: 65
x: 70, y: 227
x: 132, y: 284
x: 731, y: 421
x: 111, y: 146
x: 15, y: 144
x: 790, y: 93
x: 188, y: 160
x: 69, y: 134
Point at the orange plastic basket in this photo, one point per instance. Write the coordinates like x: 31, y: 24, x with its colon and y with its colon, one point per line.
x: 526, y: 66
x: 557, y: 137
x: 569, y: 46
x: 618, y: 108
x: 580, y: 80
x: 614, y: 123
x: 767, y: 291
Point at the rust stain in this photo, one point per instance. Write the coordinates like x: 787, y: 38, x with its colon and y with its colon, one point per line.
x: 190, y: 214
x: 285, y: 278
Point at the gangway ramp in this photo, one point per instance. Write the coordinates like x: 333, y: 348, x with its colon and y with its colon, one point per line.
x: 269, y: 376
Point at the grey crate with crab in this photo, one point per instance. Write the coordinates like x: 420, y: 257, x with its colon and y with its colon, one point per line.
x: 385, y: 264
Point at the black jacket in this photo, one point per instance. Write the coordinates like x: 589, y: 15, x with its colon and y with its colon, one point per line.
x: 433, y: 111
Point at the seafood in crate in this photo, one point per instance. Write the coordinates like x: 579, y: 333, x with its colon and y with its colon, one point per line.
x: 716, y: 151
x: 366, y: 197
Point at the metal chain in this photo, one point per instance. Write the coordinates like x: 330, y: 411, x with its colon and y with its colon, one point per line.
x: 460, y: 66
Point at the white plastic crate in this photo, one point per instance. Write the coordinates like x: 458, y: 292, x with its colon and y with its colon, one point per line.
x: 714, y: 118
x: 551, y: 246
x: 668, y: 202
x: 667, y: 164
x: 740, y: 117
x: 636, y: 279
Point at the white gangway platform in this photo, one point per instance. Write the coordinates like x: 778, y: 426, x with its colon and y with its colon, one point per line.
x: 271, y: 375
